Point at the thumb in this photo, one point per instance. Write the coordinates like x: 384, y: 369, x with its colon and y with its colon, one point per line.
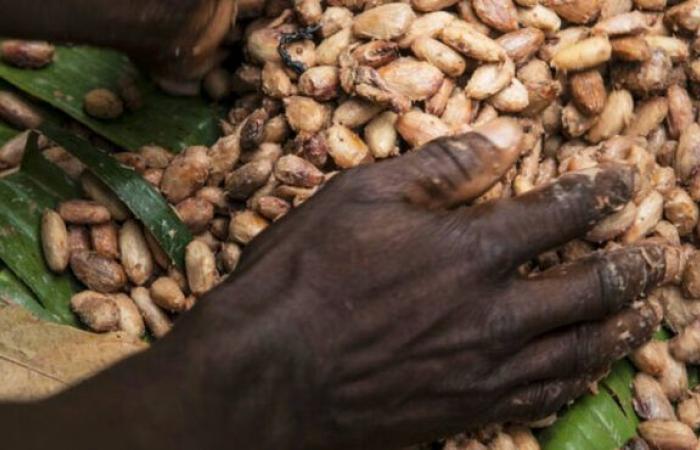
x: 457, y: 169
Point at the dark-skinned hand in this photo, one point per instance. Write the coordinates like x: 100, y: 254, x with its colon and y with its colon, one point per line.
x: 382, y: 313
x: 177, y: 41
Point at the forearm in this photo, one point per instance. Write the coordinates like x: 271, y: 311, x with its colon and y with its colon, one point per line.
x: 169, y: 36
x: 183, y: 393
x: 103, y: 22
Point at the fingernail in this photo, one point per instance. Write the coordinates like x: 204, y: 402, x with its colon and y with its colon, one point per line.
x: 650, y: 319
x: 614, y: 186
x: 504, y: 133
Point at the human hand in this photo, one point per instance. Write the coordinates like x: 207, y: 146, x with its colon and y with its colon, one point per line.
x: 177, y: 41
x: 381, y: 314
x: 408, y: 312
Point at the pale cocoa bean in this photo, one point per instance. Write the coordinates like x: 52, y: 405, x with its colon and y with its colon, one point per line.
x: 685, y: 16
x: 616, y: 115
x: 414, y: 79
x: 680, y: 111
x: 334, y: 19
x: 200, y: 265
x: 97, y: 272
x: 575, y: 123
x: 195, y: 213
x: 272, y: 208
x: 244, y: 181
x: 135, y: 255
x: 309, y: 12
x: 103, y: 104
x: 78, y: 238
x: 156, y: 157
x: 12, y: 151
x: 388, y: 21
x: 465, y: 11
x: 376, y: 53
x: 186, y: 174
x: 511, y: 99
x: 105, y: 240
x: 489, y: 79
x: 297, y: 171
x: 159, y: 256
x: 158, y: 323
x: 432, y: 5
x: 17, y: 112
x: 130, y: 320
x: 228, y: 256
x: 428, y: 25
x: 418, y: 128
x: 464, y: 38
x: 320, y: 83
x: 330, y: 48
x: 275, y: 81
x: 633, y: 48
x: 675, y: 48
x: 346, y: 148
x: 96, y: 310
x: 649, y: 400
x: 687, y: 157
x: 588, y: 92
x: 27, y: 54
x: 521, y: 45
x: 54, y: 241
x: 154, y: 177
x: 306, y: 114
x: 668, y: 434
x: 539, y: 17
x: 245, y: 226
x: 648, y: 116
x: 436, y: 104
x: 276, y: 130
x: 498, y: 14
x: 83, y: 212
x: 576, y: 11
x: 628, y: 23
x: 219, y: 228
x: 649, y: 213
x: 353, y: 113
x: 584, y: 54
x: 459, y: 112
x: 439, y: 55
x: 166, y: 293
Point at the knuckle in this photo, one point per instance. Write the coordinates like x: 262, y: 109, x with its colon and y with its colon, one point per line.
x: 585, y: 348
x: 611, y: 282
x: 501, y: 325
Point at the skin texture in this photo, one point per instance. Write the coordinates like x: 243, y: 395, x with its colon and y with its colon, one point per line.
x: 380, y: 314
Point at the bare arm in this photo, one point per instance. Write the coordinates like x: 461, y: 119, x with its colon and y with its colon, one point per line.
x: 174, y: 38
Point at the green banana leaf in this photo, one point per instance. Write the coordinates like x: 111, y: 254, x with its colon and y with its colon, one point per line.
x: 13, y: 291
x: 604, y: 421
x: 137, y: 194
x: 172, y: 122
x: 24, y: 195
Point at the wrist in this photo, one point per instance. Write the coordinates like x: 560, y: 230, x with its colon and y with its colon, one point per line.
x: 231, y: 371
